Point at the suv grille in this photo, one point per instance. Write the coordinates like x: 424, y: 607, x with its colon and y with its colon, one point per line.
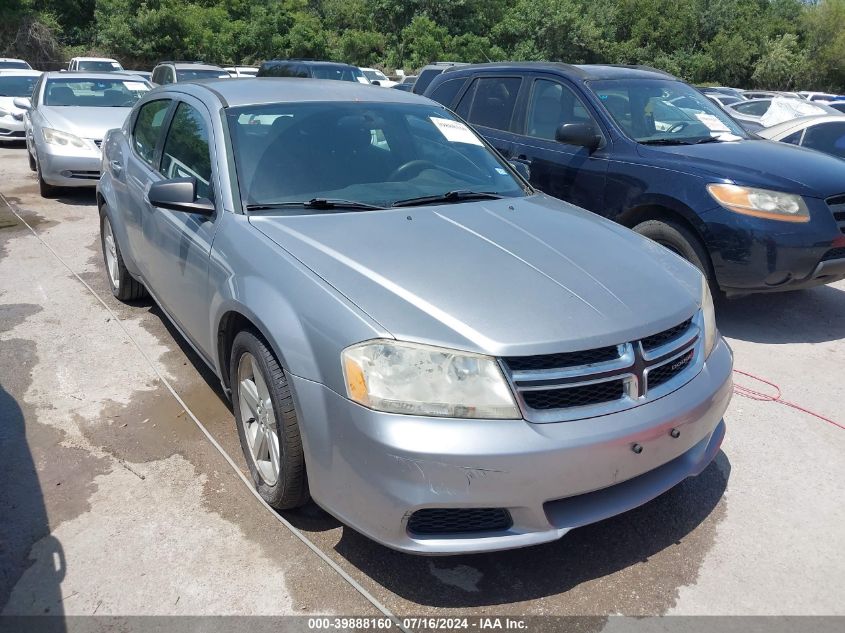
x: 459, y: 520
x: 837, y: 207
x: 571, y: 385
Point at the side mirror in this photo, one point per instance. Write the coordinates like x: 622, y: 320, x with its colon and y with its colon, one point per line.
x: 24, y: 103
x: 180, y: 194
x: 521, y: 168
x: 375, y: 82
x: 581, y: 134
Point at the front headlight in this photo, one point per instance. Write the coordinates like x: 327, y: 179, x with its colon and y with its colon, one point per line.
x: 760, y: 203
x: 55, y: 137
x: 709, y: 317
x: 415, y: 379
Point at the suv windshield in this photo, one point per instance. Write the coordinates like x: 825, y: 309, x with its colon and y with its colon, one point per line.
x: 664, y: 111
x: 94, y: 93
x: 17, y: 85
x: 362, y: 153
x: 187, y: 74
x: 98, y: 66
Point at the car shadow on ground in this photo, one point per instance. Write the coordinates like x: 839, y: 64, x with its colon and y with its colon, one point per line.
x: 816, y: 315
x: 77, y: 196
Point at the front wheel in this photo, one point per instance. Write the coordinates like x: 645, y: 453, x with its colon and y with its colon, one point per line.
x: 681, y: 241
x: 267, y: 423
x: 45, y: 189
x: 123, y: 286
x: 32, y: 165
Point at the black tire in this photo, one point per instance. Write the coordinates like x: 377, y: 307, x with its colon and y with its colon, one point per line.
x: 291, y: 488
x: 31, y: 161
x: 46, y: 190
x: 681, y: 241
x: 127, y: 288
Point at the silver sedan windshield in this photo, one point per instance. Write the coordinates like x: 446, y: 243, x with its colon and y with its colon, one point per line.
x: 369, y: 153
x: 94, y: 93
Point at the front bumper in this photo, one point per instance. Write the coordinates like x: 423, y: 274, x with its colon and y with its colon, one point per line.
x: 373, y: 470
x: 12, y: 129
x: 69, y: 170
x: 752, y: 255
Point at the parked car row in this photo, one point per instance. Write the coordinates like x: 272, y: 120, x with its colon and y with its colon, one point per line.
x: 463, y: 303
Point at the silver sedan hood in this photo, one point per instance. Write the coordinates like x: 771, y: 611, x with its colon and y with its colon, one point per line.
x: 83, y: 121
x: 503, y: 277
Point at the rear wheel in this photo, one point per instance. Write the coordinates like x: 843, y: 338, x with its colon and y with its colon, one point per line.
x: 681, y: 241
x: 123, y: 286
x: 267, y: 424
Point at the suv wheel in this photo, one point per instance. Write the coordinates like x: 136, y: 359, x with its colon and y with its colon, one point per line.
x: 681, y: 241
x: 267, y: 424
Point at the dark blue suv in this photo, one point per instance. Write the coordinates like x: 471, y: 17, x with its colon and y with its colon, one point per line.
x: 645, y: 149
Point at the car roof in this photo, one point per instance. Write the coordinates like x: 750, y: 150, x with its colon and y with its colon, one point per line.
x: 20, y: 72
x: 12, y: 59
x: 265, y: 90
x: 192, y: 66
x: 315, y: 62
x: 580, y: 71
x: 793, y: 125
x: 94, y: 59
x: 55, y: 74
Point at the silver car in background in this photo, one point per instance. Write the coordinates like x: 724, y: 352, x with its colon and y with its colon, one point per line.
x: 66, y: 120
x: 441, y: 357
x: 14, y: 84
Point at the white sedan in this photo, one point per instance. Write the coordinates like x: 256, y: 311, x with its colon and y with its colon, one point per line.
x: 377, y: 78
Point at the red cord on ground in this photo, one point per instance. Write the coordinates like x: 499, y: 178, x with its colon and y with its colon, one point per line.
x: 753, y: 394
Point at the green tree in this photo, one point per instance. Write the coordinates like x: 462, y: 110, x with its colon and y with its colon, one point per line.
x: 781, y: 65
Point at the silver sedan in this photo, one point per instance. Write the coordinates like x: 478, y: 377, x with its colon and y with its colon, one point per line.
x: 438, y: 355
x: 822, y: 133
x: 66, y: 121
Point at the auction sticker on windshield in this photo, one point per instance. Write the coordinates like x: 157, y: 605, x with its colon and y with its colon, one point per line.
x: 135, y: 86
x: 455, y: 131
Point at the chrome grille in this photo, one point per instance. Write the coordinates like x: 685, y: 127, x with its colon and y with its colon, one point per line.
x: 837, y: 207
x: 572, y: 385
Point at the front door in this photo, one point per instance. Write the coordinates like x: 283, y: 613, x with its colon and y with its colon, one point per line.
x: 569, y: 172
x: 177, y: 245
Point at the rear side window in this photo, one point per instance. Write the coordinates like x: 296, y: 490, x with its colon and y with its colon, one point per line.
x: 794, y: 138
x: 826, y: 137
x: 490, y: 101
x: 757, y: 108
x: 148, y: 128
x: 186, y: 150
x: 446, y: 92
x: 425, y: 78
x: 282, y: 70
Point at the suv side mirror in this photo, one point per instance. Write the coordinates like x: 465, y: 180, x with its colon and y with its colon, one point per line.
x: 521, y: 168
x: 581, y: 134
x: 24, y: 103
x: 179, y: 194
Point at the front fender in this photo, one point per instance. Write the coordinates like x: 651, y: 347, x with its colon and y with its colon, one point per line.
x: 305, y: 320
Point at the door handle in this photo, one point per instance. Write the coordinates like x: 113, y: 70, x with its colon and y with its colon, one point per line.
x: 116, y: 167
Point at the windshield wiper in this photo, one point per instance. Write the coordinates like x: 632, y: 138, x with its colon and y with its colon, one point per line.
x: 315, y: 203
x: 665, y: 141
x: 458, y: 195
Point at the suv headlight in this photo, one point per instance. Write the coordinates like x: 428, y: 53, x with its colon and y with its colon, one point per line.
x: 760, y: 203
x: 415, y: 379
x: 55, y: 137
x: 709, y: 317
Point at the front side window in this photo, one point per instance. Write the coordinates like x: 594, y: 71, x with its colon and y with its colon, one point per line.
x: 369, y: 153
x: 826, y: 137
x: 148, y: 128
x: 17, y: 86
x: 94, y: 93
x: 551, y: 105
x: 446, y: 92
x: 664, y: 112
x: 490, y: 101
x: 186, y: 149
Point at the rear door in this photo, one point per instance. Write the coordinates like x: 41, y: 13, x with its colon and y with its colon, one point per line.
x: 490, y: 103
x: 569, y: 172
